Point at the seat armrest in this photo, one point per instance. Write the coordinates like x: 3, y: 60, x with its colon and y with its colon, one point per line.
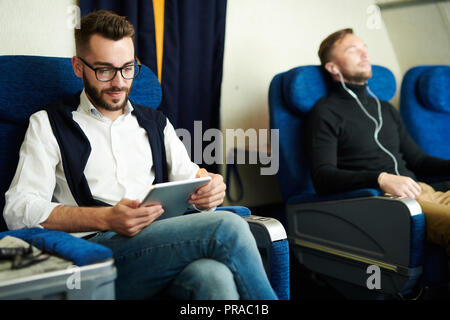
x: 340, y: 239
x: 338, y: 196
x: 271, y: 240
x: 273, y: 229
x: 81, y: 252
x: 380, y: 229
x: 273, y: 246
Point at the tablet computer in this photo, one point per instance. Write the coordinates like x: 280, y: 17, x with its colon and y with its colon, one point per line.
x: 174, y: 195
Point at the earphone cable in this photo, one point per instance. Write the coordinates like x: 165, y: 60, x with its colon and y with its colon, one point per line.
x: 378, y: 125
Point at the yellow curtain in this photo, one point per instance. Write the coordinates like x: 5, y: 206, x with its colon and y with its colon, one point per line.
x: 158, y: 10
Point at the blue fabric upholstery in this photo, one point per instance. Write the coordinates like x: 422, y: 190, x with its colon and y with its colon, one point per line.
x: 425, y: 108
x: 293, y: 174
x: 434, y: 89
x: 417, y: 240
x: 303, y: 86
x: 279, y: 263
x: 417, y: 249
x: 80, y: 252
x: 49, y: 79
x: 241, y: 211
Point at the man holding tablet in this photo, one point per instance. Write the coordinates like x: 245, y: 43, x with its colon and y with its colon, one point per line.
x: 87, y: 162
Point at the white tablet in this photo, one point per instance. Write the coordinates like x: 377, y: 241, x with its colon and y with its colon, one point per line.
x: 174, y: 195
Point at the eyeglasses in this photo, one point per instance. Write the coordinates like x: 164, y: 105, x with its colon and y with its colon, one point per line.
x: 105, y: 74
x: 24, y: 257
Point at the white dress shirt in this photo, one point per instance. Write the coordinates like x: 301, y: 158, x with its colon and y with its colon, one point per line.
x: 120, y: 164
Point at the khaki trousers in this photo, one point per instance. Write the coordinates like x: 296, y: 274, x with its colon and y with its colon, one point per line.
x: 436, y: 207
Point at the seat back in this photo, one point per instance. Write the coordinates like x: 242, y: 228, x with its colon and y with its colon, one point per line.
x: 425, y: 108
x: 31, y: 82
x: 292, y: 94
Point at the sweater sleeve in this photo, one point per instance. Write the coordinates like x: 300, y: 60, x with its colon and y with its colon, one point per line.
x: 322, y: 136
x: 29, y: 198
x: 422, y: 164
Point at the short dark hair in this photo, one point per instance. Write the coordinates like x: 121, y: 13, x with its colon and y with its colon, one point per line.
x: 105, y: 23
x: 327, y: 44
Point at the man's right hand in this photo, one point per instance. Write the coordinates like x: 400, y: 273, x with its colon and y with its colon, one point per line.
x: 128, y: 219
x: 399, y: 185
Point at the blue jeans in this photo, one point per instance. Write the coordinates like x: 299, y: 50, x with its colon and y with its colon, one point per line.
x: 196, y: 256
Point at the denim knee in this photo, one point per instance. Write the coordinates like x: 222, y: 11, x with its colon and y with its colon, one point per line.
x: 235, y: 228
x: 205, y: 279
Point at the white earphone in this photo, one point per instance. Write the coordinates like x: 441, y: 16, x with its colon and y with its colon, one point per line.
x: 378, y: 124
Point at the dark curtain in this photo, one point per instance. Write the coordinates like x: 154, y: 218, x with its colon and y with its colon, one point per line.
x: 194, y: 33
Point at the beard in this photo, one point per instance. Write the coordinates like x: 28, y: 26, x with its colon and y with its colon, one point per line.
x: 359, y: 76
x: 96, y: 96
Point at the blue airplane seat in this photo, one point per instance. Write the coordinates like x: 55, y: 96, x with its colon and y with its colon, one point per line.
x: 425, y: 110
x: 31, y: 82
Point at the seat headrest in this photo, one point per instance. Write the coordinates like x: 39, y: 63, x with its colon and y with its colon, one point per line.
x: 31, y: 82
x: 303, y: 86
x: 434, y: 88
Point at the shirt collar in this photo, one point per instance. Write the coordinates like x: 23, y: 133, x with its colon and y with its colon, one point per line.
x: 88, y: 108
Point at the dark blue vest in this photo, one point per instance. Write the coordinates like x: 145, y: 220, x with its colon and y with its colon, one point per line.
x: 75, y: 147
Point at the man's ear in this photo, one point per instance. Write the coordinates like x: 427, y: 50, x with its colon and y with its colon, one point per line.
x: 331, y: 68
x: 77, y: 66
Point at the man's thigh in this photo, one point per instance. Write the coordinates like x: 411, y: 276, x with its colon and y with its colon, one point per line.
x: 166, y: 233
x: 147, y: 262
x: 436, y: 207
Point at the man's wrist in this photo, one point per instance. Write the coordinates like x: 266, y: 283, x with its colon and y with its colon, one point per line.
x: 103, y: 221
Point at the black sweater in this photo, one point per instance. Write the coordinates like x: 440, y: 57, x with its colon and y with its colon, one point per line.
x: 342, y: 151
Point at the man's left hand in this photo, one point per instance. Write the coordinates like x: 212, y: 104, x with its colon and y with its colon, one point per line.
x: 210, y: 195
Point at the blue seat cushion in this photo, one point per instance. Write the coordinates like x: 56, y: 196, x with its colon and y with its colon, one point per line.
x: 239, y: 210
x: 81, y: 252
x: 434, y: 88
x: 425, y: 108
x: 304, y: 86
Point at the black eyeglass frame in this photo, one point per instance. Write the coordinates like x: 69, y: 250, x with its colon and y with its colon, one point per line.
x: 25, y: 257
x: 137, y: 64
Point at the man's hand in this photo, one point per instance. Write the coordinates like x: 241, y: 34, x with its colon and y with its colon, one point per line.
x: 399, y: 185
x: 128, y: 219
x: 210, y: 195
